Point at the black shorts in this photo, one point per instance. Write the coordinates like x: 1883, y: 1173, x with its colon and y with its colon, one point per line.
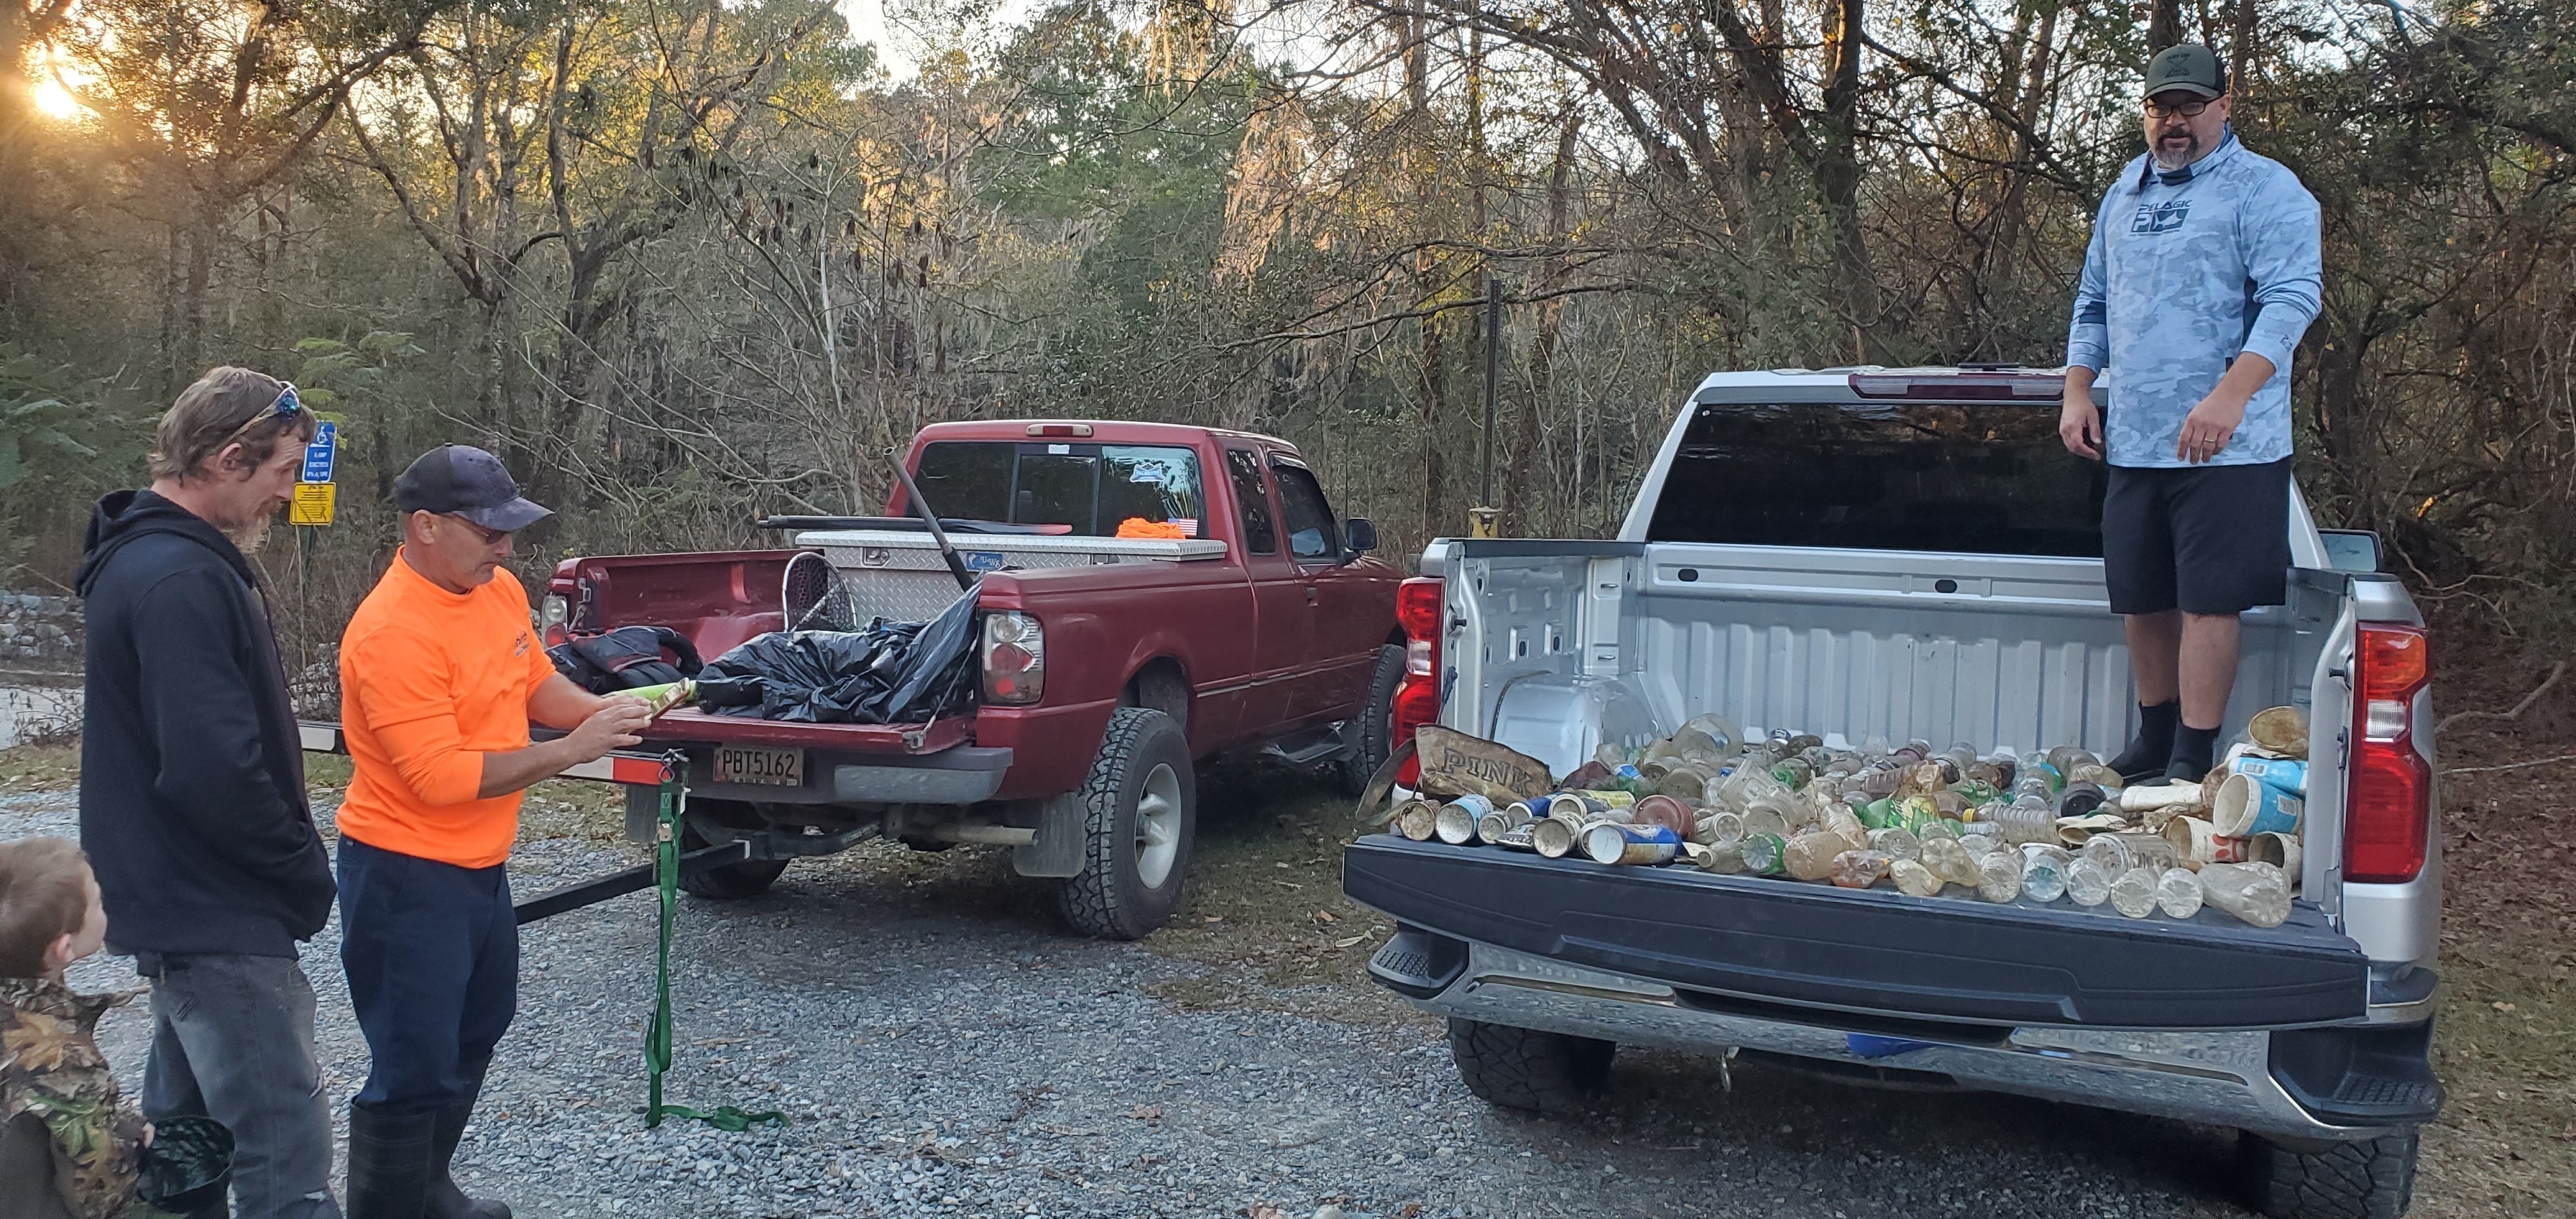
x: 2201, y: 539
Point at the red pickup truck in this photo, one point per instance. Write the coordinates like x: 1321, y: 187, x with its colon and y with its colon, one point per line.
x: 1250, y: 620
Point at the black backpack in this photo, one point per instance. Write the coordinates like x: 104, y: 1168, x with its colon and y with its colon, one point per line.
x: 625, y: 658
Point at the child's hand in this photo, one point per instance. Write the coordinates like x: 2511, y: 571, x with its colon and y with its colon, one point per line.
x: 147, y: 1134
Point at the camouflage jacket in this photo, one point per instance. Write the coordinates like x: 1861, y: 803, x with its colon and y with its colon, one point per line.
x: 50, y: 1066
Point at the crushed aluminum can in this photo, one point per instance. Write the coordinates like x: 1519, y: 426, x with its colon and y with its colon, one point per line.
x: 1519, y: 813
x: 1668, y: 812
x: 1455, y: 823
x: 1516, y: 838
x: 1418, y: 819
x: 1609, y: 842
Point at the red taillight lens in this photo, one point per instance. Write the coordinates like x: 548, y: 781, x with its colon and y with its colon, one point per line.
x: 1417, y: 701
x: 1014, y: 668
x: 1417, y: 608
x: 2389, y: 799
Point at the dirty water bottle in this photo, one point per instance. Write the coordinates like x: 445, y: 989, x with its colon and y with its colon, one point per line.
x: 1810, y: 856
x: 2134, y: 893
x: 1762, y: 853
x: 2253, y: 892
x: 2178, y: 893
x: 1896, y: 842
x: 1945, y: 858
x: 2088, y: 883
x: 1860, y: 869
x: 2043, y: 871
x: 1913, y: 879
x: 1999, y: 876
x: 2026, y: 819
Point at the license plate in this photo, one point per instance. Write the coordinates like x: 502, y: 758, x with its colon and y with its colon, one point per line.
x: 773, y: 767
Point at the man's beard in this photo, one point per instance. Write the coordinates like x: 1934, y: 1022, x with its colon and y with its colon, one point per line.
x: 2190, y: 153
x: 248, y: 536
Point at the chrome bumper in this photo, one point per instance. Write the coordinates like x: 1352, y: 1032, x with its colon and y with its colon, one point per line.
x: 2219, y: 1078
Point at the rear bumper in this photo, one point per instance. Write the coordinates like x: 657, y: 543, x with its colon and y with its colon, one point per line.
x: 2226, y: 1078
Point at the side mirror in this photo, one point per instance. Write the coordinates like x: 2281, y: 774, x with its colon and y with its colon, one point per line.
x: 2355, y: 550
x: 1358, y: 535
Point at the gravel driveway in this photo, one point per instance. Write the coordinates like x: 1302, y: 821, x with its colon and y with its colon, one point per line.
x: 943, y: 1049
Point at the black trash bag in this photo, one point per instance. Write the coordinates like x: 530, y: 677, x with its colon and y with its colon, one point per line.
x: 189, y: 1164
x: 626, y: 658
x: 886, y: 673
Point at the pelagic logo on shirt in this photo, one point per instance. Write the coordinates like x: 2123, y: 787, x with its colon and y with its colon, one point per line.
x: 2156, y: 218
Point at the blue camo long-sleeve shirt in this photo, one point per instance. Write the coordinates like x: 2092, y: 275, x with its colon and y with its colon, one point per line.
x: 2185, y: 271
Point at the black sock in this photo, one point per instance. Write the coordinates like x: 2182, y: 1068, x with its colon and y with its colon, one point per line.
x: 2192, y: 748
x: 2151, y: 750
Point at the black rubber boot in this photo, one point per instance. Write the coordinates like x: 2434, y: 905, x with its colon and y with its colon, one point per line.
x: 2151, y: 750
x: 446, y: 1201
x: 2192, y: 750
x: 389, y: 1163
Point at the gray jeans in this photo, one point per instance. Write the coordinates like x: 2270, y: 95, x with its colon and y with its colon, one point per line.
x: 232, y: 1039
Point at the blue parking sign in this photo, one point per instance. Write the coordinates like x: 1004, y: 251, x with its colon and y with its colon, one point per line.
x: 322, y: 456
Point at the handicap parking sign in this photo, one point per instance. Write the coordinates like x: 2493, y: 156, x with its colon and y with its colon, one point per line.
x: 322, y: 456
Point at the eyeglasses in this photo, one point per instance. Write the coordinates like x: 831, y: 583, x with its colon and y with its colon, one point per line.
x: 2190, y: 109
x: 491, y: 537
x: 285, y: 407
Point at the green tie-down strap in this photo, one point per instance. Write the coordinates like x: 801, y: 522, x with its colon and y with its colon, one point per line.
x: 657, y: 1036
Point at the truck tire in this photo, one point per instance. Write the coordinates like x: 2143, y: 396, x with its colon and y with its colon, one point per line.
x: 1140, y: 812
x: 2374, y: 1179
x: 1552, y: 1073
x: 1376, y: 726
x: 732, y: 882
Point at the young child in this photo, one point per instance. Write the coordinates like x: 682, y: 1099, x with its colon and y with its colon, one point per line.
x: 50, y: 1066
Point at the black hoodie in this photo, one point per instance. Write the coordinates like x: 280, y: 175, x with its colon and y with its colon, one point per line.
x: 192, y: 771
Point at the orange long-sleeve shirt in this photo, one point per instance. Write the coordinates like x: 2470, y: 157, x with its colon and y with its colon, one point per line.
x: 430, y: 681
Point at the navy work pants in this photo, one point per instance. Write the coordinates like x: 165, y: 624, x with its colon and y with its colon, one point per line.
x: 432, y: 952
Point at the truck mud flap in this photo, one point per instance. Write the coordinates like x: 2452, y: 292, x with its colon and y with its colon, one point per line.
x: 1872, y: 951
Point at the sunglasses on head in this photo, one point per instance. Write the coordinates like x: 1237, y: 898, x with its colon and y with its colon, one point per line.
x: 285, y: 407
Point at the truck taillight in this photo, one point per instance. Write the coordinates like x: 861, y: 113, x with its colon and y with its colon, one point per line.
x: 1419, y: 611
x: 552, y: 614
x: 1014, y: 656
x: 2389, y: 799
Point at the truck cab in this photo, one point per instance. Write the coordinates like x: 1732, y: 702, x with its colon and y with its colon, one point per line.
x: 1893, y: 554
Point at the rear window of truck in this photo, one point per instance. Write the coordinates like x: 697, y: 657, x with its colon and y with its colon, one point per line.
x: 1086, y: 489
x: 1954, y: 477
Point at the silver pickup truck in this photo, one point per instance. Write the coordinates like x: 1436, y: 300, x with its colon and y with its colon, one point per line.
x: 1910, y: 553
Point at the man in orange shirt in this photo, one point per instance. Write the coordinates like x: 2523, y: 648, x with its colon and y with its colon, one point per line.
x: 440, y: 674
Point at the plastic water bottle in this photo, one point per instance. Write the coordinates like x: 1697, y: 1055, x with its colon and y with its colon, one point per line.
x: 1999, y: 876
x: 1896, y: 842
x: 1860, y: 869
x: 2043, y: 871
x: 2088, y: 883
x: 1913, y: 878
x: 2026, y: 819
x: 2134, y: 893
x: 2178, y: 893
x: 1946, y: 859
x: 2253, y: 892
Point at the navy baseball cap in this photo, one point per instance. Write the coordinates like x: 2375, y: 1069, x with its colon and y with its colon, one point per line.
x: 461, y: 480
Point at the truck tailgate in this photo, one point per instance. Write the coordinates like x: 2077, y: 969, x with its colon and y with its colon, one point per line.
x: 1871, y: 951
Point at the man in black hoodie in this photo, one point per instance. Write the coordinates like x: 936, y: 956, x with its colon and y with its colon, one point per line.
x: 192, y: 787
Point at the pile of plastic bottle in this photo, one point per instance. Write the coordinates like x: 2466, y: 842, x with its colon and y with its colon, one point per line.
x: 2041, y: 827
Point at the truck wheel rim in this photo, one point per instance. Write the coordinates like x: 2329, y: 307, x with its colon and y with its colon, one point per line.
x: 1158, y: 826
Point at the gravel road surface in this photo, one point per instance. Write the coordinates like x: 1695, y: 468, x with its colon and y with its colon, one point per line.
x: 941, y: 1048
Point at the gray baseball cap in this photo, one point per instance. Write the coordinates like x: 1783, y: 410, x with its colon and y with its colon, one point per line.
x: 461, y: 480
x: 2185, y: 68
